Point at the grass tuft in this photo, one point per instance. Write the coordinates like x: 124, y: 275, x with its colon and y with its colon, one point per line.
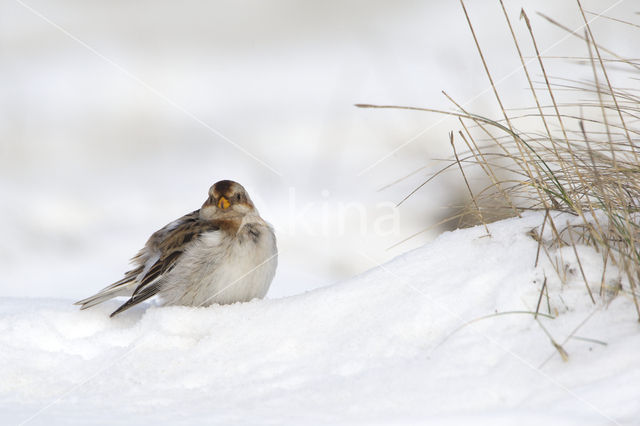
x: 582, y: 159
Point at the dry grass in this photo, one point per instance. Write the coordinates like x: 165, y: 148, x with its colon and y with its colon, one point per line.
x: 583, y: 164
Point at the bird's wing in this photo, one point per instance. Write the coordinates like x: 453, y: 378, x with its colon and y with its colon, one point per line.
x: 168, y: 244
x: 142, y: 263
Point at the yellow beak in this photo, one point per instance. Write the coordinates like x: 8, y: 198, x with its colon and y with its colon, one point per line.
x: 223, y: 203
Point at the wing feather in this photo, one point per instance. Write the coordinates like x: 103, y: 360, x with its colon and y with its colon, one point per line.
x: 160, y: 255
x: 143, y: 295
x: 171, y: 241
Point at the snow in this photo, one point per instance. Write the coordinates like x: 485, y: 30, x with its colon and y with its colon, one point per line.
x: 386, y: 346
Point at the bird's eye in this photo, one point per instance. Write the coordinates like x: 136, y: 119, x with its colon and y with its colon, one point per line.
x: 237, y: 197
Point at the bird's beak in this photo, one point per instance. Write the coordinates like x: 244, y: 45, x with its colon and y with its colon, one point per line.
x: 223, y: 203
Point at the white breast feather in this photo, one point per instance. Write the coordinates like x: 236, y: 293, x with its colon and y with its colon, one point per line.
x: 220, y: 269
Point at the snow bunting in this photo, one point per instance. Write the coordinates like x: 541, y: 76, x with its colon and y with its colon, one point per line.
x: 222, y: 253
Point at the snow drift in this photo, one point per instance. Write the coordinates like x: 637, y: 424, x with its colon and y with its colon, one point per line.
x: 385, y: 346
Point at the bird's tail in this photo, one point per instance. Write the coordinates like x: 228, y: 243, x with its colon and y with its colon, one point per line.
x: 114, y: 290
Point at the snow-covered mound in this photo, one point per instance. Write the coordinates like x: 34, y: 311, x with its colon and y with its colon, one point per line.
x: 385, y: 346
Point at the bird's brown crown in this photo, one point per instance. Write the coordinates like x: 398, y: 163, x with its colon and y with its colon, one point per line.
x: 227, y: 193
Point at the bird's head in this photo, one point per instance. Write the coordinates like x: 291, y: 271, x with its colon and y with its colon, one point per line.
x: 227, y: 197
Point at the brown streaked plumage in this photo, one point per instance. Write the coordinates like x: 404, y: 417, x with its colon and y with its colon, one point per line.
x: 222, y: 253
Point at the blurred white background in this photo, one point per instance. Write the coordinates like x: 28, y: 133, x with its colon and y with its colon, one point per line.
x: 116, y: 117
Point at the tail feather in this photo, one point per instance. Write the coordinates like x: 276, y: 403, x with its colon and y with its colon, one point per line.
x: 115, y: 290
x: 123, y: 287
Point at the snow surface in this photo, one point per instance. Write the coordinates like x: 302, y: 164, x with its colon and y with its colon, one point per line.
x: 383, y: 347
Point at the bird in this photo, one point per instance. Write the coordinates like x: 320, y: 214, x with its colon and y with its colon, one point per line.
x: 222, y: 253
